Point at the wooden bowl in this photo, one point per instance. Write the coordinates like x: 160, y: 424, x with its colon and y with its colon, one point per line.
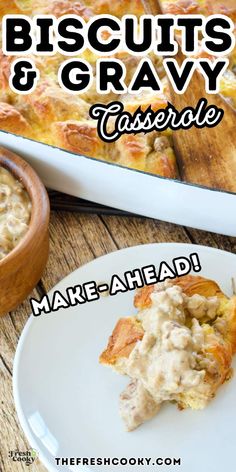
x: 22, y: 268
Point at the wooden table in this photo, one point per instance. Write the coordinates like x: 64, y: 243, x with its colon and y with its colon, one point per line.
x: 76, y: 239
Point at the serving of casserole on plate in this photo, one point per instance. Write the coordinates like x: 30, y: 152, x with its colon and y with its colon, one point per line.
x: 177, y: 348
x: 53, y: 117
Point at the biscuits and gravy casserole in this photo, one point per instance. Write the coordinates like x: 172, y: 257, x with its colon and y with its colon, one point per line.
x: 52, y: 116
x: 177, y: 348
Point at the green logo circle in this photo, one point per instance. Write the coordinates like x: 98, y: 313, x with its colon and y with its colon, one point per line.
x: 33, y: 453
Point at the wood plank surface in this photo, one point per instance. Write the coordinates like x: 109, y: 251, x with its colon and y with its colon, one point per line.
x: 75, y: 240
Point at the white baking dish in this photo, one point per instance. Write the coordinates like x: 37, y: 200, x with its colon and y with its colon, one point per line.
x: 128, y: 189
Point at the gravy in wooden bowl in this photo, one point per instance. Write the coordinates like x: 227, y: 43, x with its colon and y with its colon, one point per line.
x: 15, y: 212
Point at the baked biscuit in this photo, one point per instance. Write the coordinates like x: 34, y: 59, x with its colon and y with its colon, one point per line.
x: 182, y: 7
x: 11, y: 119
x: 117, y: 8
x: 62, y: 7
x: 51, y: 102
x: 15, y: 7
x: 79, y: 137
x: 122, y: 341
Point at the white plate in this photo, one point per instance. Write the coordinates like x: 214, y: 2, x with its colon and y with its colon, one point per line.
x: 128, y: 189
x: 68, y: 404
